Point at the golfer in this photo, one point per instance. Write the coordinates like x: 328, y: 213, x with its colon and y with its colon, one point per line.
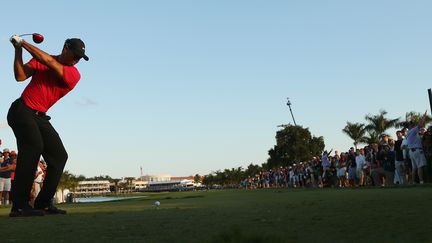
x: 52, y: 77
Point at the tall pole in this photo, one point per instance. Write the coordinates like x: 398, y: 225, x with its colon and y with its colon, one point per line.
x: 430, y: 98
x: 289, y: 105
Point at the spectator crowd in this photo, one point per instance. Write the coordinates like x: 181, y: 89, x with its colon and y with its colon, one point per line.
x: 406, y: 159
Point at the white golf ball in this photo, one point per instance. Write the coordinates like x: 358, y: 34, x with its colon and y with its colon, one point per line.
x: 157, y: 203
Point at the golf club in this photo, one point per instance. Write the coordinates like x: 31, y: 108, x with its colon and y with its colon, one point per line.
x: 37, y: 38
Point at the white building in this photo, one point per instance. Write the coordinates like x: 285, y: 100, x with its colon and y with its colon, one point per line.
x: 156, y: 178
x: 138, y: 185
x: 92, y: 188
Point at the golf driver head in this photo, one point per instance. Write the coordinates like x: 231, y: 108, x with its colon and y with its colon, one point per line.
x: 37, y: 38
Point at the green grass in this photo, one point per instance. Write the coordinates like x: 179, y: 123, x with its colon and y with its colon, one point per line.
x: 272, y: 215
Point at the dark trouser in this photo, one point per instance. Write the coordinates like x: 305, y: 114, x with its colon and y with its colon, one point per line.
x: 376, y: 174
x: 35, y: 137
x: 389, y: 178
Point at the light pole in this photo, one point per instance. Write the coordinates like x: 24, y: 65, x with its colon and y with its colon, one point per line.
x: 289, y: 105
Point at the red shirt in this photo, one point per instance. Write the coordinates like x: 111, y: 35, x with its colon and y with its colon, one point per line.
x: 45, y: 88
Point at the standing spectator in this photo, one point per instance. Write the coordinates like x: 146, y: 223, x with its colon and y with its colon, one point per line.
x: 13, y: 156
x: 361, y: 163
x: 332, y: 179
x: 417, y: 156
x: 291, y: 182
x: 399, y: 158
x: 406, y: 154
x: 388, y: 160
x: 266, y: 177
x: 352, y: 167
x: 311, y: 172
x: 377, y: 170
x: 341, y: 164
x: 300, y: 172
x: 39, y: 178
x: 325, y: 163
x: 316, y: 163
x: 367, y: 168
x: 296, y: 178
x: 6, y: 168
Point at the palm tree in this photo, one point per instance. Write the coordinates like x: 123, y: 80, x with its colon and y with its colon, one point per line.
x: 371, y: 138
x: 413, y: 116
x: 129, y: 181
x: 197, y: 178
x: 208, y: 180
x: 378, y: 124
x: 356, y: 131
x: 67, y: 181
x: 116, y: 185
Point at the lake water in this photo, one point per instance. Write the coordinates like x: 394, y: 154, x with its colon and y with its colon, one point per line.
x: 102, y: 199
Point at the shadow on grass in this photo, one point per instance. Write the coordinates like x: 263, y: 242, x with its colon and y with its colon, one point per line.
x: 236, y: 235
x: 186, y: 197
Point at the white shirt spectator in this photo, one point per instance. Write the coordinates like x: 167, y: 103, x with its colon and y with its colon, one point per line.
x: 325, y: 162
x: 360, y: 161
x: 39, y: 175
x: 404, y: 145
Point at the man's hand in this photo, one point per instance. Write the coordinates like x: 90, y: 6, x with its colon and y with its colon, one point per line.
x: 16, y: 40
x: 423, y: 119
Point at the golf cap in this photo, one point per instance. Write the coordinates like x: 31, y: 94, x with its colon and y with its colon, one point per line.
x: 77, y: 46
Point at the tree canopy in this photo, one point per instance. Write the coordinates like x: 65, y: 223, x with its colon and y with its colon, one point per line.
x: 294, y: 144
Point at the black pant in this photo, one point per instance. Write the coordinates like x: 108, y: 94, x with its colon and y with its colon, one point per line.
x: 35, y: 137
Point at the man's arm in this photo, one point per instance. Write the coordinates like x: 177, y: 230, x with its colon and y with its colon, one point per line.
x: 21, y: 71
x: 44, y: 58
x: 6, y: 168
x: 422, y: 122
x: 38, y: 54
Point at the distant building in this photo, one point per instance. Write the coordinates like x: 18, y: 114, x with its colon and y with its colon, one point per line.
x: 178, y: 185
x: 139, y: 185
x: 156, y: 178
x: 88, y: 188
x: 147, y: 183
x: 180, y: 178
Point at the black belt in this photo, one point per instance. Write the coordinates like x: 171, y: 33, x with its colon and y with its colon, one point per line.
x: 36, y: 112
x: 39, y: 113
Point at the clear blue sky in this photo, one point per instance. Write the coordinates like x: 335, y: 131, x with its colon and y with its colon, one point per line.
x: 185, y: 87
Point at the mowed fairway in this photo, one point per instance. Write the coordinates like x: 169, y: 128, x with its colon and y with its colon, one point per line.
x: 264, y: 215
